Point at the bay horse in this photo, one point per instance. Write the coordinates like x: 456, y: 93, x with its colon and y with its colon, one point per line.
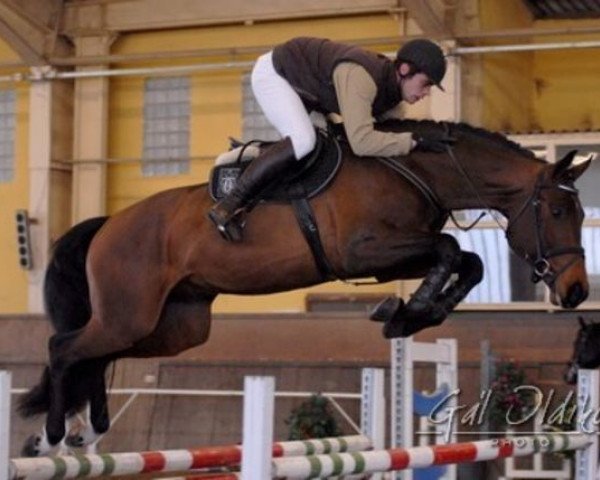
x: 586, y: 350
x: 141, y: 283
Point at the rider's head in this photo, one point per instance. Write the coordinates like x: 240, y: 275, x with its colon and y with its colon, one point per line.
x: 419, y: 64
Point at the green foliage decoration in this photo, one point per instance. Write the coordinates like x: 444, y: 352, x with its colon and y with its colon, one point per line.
x: 508, y: 402
x: 313, y: 418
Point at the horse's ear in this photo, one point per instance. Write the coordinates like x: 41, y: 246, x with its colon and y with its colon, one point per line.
x: 563, y: 171
x: 560, y: 167
x: 577, y: 170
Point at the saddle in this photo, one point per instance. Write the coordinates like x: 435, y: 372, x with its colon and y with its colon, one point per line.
x: 314, y: 173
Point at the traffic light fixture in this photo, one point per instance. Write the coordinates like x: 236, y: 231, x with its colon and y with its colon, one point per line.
x: 24, y: 239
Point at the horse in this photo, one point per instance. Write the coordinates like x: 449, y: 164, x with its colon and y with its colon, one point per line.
x: 586, y: 350
x: 140, y: 283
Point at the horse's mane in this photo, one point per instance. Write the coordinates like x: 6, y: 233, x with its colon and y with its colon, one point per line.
x: 461, y: 127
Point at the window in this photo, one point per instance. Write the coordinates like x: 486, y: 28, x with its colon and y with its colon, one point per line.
x: 7, y: 135
x: 166, y: 126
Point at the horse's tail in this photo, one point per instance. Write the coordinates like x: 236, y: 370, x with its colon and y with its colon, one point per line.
x: 67, y: 304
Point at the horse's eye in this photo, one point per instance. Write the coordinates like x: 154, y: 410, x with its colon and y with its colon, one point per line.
x: 557, y: 212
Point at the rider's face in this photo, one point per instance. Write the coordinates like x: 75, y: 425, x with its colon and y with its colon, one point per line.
x: 415, y: 87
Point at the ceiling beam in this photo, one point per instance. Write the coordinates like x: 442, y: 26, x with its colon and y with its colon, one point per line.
x: 430, y: 16
x: 30, y: 28
x: 136, y: 15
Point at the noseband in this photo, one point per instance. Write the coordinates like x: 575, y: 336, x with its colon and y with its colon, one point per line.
x: 542, y: 270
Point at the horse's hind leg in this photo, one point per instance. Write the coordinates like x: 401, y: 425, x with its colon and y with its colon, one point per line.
x: 94, y: 341
x: 182, y: 325
x: 136, y: 329
x: 59, y: 369
x: 97, y: 422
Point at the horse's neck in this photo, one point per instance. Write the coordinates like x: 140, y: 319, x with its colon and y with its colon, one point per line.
x: 497, y: 183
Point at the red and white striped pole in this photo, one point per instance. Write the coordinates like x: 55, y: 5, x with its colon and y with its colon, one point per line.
x: 323, y: 466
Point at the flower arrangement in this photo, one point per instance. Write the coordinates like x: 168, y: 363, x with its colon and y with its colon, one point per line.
x: 312, y: 419
x: 509, y: 403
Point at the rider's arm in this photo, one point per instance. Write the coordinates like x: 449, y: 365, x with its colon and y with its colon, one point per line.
x: 396, y: 113
x: 356, y: 92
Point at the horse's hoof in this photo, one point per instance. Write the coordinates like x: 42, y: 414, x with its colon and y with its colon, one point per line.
x: 81, y: 435
x: 386, y: 310
x: 396, y: 329
x: 407, y: 323
x: 32, y: 447
x: 74, y: 441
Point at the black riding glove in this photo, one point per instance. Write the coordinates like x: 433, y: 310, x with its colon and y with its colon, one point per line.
x: 433, y: 141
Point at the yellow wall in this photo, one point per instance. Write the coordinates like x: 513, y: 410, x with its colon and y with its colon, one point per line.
x: 14, y: 195
x: 507, y: 88
x: 567, y: 96
x: 543, y: 90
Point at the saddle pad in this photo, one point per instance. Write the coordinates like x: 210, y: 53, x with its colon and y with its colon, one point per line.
x: 320, y: 168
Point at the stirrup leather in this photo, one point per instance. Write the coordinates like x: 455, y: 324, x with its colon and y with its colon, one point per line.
x: 229, y: 226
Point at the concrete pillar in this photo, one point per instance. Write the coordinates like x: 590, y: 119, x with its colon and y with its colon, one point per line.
x: 50, y: 112
x: 90, y: 137
x: 467, y: 19
x: 446, y: 105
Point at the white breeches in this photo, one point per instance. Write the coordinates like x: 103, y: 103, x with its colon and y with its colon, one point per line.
x: 282, y: 106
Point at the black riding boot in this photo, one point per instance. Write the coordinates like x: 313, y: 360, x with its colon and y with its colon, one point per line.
x: 258, y: 175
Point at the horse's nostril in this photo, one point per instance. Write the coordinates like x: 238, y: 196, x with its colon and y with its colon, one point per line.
x: 575, y: 295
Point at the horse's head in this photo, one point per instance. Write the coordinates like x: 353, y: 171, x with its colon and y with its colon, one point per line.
x: 546, y: 231
x: 586, y: 350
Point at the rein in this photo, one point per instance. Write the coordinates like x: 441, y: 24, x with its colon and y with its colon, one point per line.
x: 395, y: 164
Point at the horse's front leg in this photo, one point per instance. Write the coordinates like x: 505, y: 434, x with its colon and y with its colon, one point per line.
x: 424, y: 299
x: 470, y: 273
x: 407, y: 322
x: 446, y: 253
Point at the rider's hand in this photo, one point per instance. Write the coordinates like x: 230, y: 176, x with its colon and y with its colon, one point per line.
x: 433, y: 141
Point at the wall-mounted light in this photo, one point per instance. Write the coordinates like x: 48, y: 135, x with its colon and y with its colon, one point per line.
x: 24, y: 239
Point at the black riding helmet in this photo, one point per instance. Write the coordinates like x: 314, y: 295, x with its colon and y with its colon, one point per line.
x: 426, y: 56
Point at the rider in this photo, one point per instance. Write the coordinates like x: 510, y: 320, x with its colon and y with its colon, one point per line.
x: 317, y: 74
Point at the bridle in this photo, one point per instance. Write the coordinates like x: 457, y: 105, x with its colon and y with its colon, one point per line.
x: 542, y: 270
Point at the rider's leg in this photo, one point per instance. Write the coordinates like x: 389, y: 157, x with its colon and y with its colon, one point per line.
x: 261, y: 172
x: 284, y: 109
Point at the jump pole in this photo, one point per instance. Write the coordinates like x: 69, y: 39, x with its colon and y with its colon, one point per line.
x: 165, y: 461
x: 399, y: 459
